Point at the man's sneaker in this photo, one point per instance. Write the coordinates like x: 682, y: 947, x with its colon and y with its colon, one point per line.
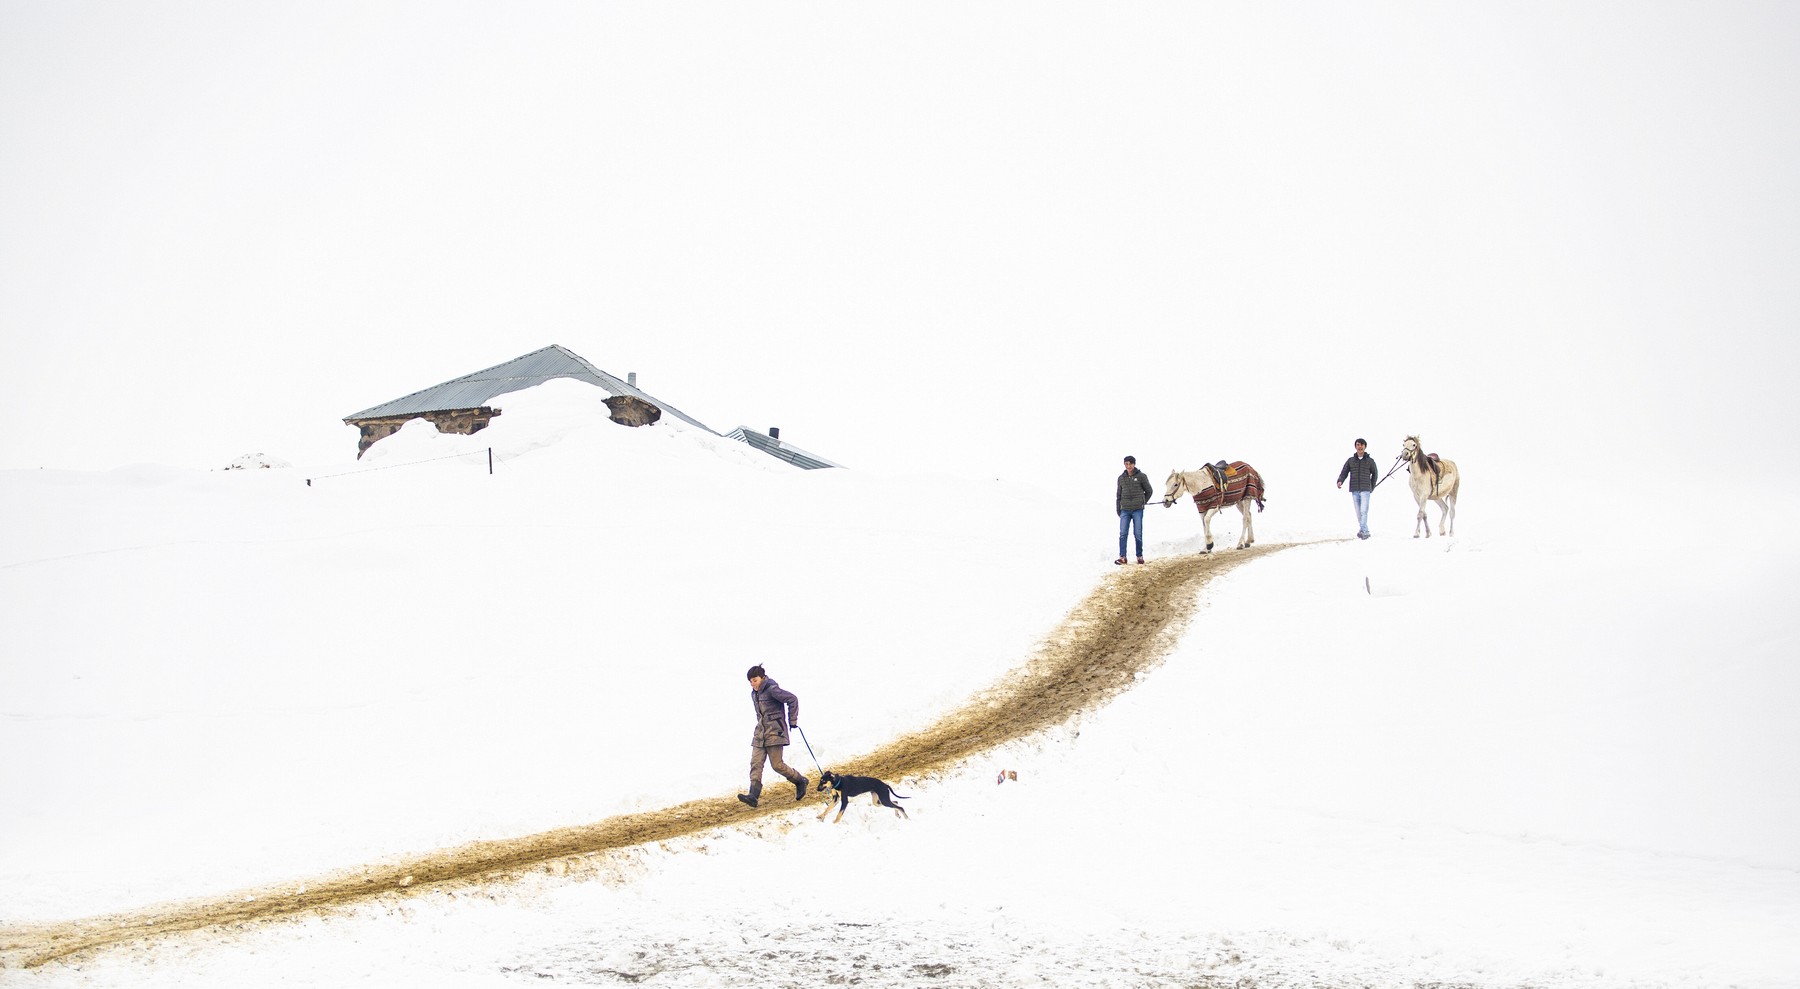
x: 800, y: 790
x: 748, y: 799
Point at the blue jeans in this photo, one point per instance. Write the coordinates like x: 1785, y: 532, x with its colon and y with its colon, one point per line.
x: 1131, y: 521
x: 1361, y: 500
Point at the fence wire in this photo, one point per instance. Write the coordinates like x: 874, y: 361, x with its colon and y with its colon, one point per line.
x: 411, y: 463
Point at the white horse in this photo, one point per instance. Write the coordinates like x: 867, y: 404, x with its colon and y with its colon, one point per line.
x: 1242, y: 485
x: 1431, y: 479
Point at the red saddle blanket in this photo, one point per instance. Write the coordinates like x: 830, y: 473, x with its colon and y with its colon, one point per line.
x: 1241, y: 482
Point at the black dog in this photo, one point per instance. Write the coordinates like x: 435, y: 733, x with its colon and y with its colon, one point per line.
x: 845, y: 787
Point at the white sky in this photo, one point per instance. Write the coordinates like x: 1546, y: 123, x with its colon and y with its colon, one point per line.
x: 1187, y: 231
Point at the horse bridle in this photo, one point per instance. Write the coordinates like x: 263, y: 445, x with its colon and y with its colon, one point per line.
x: 1418, y: 457
x: 1181, y: 486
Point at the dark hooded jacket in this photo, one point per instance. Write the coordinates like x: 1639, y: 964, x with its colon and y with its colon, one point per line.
x: 1134, y: 491
x: 775, y: 710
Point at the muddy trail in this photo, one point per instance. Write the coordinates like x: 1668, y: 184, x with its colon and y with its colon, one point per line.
x: 1127, y: 624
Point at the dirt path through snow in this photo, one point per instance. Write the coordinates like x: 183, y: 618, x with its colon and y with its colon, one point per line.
x: 1126, y: 625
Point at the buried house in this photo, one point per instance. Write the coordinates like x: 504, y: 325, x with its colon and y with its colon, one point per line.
x: 460, y: 405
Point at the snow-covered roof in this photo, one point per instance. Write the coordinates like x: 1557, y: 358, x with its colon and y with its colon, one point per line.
x: 778, y: 449
x: 477, y: 389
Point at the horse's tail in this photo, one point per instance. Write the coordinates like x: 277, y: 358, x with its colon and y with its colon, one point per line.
x: 1255, y: 488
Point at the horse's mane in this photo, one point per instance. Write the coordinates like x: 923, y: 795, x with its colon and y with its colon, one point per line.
x: 1424, y: 462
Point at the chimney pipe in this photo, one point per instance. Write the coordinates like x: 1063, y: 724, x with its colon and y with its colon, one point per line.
x: 774, y: 432
x: 631, y: 378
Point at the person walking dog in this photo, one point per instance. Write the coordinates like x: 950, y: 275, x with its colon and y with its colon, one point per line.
x: 1133, y: 494
x: 1361, y: 471
x: 776, y: 710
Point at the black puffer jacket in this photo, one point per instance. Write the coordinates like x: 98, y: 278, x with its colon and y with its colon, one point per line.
x: 1134, y: 491
x: 1361, y: 471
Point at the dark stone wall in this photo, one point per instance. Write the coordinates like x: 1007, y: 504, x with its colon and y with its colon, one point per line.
x: 628, y: 410
x: 465, y: 421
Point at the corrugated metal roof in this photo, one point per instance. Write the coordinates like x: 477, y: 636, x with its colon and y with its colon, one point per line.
x: 474, y: 390
x: 779, y: 449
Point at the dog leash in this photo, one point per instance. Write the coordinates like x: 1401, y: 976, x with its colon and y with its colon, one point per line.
x: 809, y: 750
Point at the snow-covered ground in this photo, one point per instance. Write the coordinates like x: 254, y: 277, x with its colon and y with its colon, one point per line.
x: 1546, y: 753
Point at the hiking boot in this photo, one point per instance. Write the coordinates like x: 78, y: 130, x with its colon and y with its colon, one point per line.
x: 800, y: 790
x: 1140, y: 559
x: 1119, y: 561
x: 748, y: 799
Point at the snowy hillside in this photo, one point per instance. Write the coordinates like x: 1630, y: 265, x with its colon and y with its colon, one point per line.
x: 1513, y: 757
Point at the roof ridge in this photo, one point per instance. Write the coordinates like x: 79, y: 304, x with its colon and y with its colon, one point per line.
x: 515, y: 360
x: 487, y: 380
x: 471, y: 376
x: 461, y: 377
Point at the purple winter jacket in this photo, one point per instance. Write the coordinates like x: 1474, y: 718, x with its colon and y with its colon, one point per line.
x: 775, y: 710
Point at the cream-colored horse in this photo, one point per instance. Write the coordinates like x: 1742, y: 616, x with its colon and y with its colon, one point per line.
x: 1199, y: 482
x: 1431, y: 480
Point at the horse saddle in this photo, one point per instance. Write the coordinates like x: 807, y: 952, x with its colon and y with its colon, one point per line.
x: 1232, y: 482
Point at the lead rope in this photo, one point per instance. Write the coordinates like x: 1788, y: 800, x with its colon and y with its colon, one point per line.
x: 1397, y: 462
x: 809, y: 750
